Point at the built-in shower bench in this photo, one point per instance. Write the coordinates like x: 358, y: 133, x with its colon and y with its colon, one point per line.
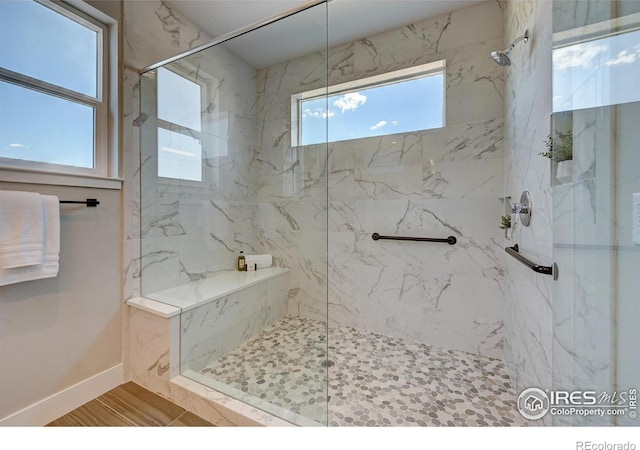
x: 179, y: 330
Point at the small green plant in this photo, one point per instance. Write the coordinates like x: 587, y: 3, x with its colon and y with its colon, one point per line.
x: 505, y: 222
x: 561, y: 148
x: 549, y: 143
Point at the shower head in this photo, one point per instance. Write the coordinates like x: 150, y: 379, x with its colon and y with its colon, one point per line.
x: 502, y: 58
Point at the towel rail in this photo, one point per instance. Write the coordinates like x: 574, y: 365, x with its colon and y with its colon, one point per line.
x: 546, y: 270
x: 449, y: 240
x: 90, y: 202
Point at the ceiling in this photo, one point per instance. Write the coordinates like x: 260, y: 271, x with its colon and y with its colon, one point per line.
x: 348, y: 20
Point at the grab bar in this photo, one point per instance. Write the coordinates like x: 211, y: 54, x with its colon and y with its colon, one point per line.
x: 90, y: 202
x: 546, y: 270
x: 449, y: 240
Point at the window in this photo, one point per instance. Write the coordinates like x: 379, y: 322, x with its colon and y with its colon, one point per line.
x: 179, y: 126
x: 596, y: 72
x: 54, y: 75
x: 396, y: 102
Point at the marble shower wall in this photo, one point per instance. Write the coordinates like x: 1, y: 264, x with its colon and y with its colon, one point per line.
x: 595, y: 315
x: 528, y: 311
x: 152, y: 31
x: 583, y: 295
x: 292, y: 185
x: 212, y: 329
x: 186, y: 230
x: 191, y: 230
x: 438, y: 182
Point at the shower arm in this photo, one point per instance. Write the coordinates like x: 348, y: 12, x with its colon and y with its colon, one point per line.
x: 524, y: 37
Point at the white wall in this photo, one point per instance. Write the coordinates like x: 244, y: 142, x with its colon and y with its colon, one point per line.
x: 58, y: 334
x: 60, y: 331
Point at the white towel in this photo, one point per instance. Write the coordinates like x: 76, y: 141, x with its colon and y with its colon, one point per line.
x: 21, y: 229
x: 262, y: 261
x: 51, y: 248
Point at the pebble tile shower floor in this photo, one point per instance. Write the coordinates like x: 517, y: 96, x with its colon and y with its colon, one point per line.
x: 375, y: 380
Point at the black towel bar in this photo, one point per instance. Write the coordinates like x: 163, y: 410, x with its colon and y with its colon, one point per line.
x: 90, y: 202
x: 449, y: 240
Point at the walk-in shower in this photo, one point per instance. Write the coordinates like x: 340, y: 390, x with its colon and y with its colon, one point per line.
x: 292, y: 147
x: 343, y: 329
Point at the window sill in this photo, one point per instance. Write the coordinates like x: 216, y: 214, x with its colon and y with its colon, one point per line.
x: 16, y: 175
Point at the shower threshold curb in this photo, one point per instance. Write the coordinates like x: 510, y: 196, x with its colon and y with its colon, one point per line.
x: 259, y: 411
x: 217, y: 407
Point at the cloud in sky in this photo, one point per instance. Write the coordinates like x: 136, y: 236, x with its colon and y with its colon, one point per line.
x: 581, y: 55
x: 318, y: 113
x: 18, y: 146
x: 378, y: 125
x: 350, y: 101
x: 624, y: 57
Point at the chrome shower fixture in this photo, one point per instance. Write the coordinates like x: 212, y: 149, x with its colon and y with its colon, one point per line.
x: 502, y: 58
x: 523, y: 209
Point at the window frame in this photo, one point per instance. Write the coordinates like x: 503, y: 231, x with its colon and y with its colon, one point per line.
x: 393, y: 77
x: 105, y: 154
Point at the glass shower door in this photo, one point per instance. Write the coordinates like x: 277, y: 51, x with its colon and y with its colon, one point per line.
x: 596, y: 194
x: 222, y: 174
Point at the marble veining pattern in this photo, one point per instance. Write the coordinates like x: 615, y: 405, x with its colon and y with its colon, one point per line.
x: 528, y: 314
x: 211, y: 329
x: 192, y: 231
x: 423, y: 183
x: 376, y: 380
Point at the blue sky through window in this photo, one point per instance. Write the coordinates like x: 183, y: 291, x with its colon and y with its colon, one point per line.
x: 400, y: 107
x: 55, y: 127
x: 44, y: 44
x: 41, y: 127
x: 600, y: 72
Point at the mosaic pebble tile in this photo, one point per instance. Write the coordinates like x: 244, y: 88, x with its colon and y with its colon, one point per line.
x: 376, y: 380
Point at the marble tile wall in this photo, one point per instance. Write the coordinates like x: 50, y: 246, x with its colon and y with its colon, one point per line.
x: 595, y: 319
x: 583, y: 295
x: 446, y: 181
x: 191, y: 230
x: 209, y: 331
x: 628, y: 311
x: 528, y: 295
x: 185, y: 230
x: 152, y: 32
x: 154, y: 344
x: 292, y: 186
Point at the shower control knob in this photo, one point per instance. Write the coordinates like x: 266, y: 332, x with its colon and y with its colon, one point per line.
x: 524, y: 208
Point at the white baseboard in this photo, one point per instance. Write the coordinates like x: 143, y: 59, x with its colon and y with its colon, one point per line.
x: 59, y: 404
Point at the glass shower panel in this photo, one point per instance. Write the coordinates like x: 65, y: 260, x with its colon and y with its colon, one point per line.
x: 595, y: 168
x: 220, y: 176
